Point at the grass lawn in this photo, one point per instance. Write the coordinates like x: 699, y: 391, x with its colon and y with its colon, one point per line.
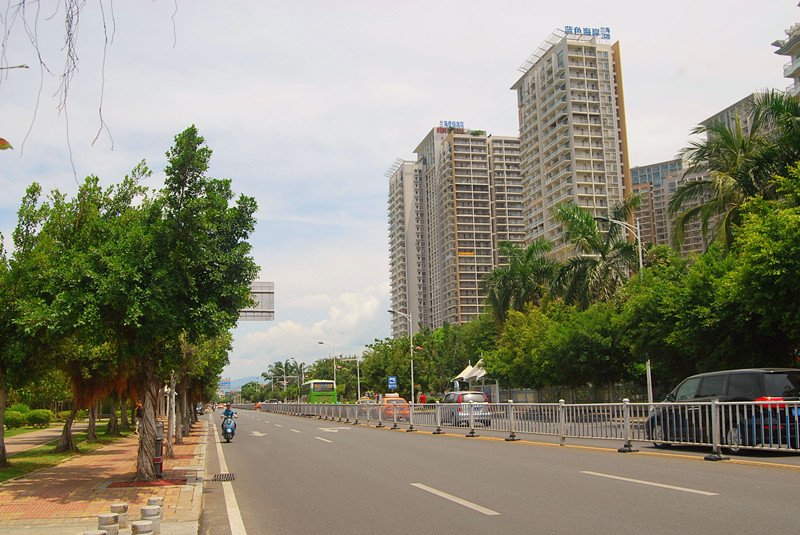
x: 43, y: 456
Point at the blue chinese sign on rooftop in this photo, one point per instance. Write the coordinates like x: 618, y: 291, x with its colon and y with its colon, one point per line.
x: 602, y: 32
x: 451, y: 124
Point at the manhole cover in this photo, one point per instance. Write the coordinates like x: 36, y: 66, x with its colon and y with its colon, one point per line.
x: 224, y: 477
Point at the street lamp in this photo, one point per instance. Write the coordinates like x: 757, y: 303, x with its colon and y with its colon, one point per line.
x: 411, y: 347
x: 284, y: 377
x: 358, y: 374
x: 333, y: 355
x: 636, y: 229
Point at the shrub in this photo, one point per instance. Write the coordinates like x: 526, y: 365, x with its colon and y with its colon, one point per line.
x: 81, y: 415
x: 15, y: 419
x: 20, y: 407
x: 62, y: 416
x: 40, y: 418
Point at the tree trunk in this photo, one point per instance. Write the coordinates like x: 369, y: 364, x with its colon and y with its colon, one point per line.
x: 67, y: 441
x: 180, y: 415
x: 145, y: 471
x: 187, y: 422
x: 3, y: 401
x: 91, y: 431
x: 171, y: 422
x: 124, y: 423
x: 113, y: 424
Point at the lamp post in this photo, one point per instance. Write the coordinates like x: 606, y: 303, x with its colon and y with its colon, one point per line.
x: 358, y: 374
x: 636, y: 229
x: 411, y: 347
x: 297, y: 376
x: 333, y: 355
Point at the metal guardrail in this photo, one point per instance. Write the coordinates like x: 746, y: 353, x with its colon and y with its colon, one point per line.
x: 731, y: 426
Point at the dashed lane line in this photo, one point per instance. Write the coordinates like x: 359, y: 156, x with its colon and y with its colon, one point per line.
x: 652, y: 484
x: 456, y: 499
x: 324, y: 439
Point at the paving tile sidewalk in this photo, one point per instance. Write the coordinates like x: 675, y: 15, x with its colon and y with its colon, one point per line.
x: 65, y: 499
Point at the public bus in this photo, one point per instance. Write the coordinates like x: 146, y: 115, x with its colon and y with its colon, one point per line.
x: 318, y: 391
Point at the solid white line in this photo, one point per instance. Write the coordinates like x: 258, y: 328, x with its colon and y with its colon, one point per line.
x: 323, y: 439
x: 234, y: 514
x: 295, y: 431
x: 652, y: 484
x: 456, y: 499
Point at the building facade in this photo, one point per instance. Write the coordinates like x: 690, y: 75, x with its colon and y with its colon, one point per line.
x: 791, y: 47
x: 572, y: 132
x: 467, y: 198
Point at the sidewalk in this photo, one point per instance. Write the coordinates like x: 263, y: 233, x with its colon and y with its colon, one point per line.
x: 33, y: 439
x: 65, y: 499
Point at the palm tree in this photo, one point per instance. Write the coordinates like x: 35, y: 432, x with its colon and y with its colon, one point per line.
x: 732, y: 166
x: 604, y: 257
x: 521, y: 281
x: 781, y: 115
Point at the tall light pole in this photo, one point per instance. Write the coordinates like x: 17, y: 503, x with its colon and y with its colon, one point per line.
x: 358, y: 374
x: 636, y: 229
x: 333, y: 355
x: 298, y: 377
x: 411, y: 347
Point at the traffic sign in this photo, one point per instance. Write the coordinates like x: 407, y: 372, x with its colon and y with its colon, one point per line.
x: 392, y: 382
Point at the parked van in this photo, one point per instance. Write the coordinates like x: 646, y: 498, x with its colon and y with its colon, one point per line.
x: 746, y: 425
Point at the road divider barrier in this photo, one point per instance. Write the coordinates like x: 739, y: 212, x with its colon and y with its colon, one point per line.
x: 773, y: 424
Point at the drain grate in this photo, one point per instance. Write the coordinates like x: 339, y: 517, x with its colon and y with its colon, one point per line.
x: 224, y: 477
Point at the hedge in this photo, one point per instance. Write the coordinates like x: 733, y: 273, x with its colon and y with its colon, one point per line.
x: 40, y: 418
x: 15, y: 419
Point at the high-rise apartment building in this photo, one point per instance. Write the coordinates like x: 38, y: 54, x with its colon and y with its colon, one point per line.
x: 572, y: 130
x: 407, y: 272
x: 791, y: 47
x: 466, y: 195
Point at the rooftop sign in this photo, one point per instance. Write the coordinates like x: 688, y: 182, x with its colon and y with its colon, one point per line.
x: 602, y: 32
x: 451, y: 124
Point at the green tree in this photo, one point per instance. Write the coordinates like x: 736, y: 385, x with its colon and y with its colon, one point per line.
x: 522, y: 280
x: 604, y: 259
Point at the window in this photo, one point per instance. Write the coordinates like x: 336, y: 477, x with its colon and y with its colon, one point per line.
x: 687, y: 389
x: 713, y: 386
x: 742, y: 385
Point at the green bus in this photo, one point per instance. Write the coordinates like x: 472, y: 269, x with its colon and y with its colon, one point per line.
x: 318, y: 391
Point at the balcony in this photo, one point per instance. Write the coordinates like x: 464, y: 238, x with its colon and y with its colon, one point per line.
x: 791, y: 68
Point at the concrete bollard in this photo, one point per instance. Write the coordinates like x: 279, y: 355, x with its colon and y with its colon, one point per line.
x: 122, y: 510
x: 153, y: 514
x: 156, y: 500
x: 96, y: 532
x: 142, y: 527
x: 108, y: 522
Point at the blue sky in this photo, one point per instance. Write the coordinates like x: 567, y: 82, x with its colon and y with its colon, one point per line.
x: 307, y: 103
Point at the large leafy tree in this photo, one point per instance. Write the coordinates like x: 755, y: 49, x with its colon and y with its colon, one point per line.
x: 727, y: 167
x: 604, y: 259
x: 522, y: 280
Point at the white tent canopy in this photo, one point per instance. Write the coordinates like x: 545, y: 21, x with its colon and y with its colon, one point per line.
x: 472, y: 373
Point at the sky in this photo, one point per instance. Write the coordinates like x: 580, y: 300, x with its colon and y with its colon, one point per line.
x: 306, y: 104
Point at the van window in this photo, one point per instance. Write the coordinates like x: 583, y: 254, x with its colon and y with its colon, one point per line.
x: 743, y: 385
x: 476, y: 397
x: 785, y: 385
x: 712, y: 386
x: 687, y: 389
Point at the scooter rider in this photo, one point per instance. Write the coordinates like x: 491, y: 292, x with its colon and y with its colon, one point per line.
x: 229, y: 413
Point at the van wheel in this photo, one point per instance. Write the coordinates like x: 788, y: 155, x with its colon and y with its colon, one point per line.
x: 734, y: 440
x: 657, y: 436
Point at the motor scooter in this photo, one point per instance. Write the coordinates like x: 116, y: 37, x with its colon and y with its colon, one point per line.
x: 228, y: 427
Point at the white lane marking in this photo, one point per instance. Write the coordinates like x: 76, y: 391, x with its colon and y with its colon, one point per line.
x: 278, y: 425
x: 652, y: 484
x: 323, y: 439
x: 456, y: 499
x: 258, y: 434
x: 266, y: 421
x: 332, y: 429
x: 234, y: 514
x: 295, y: 431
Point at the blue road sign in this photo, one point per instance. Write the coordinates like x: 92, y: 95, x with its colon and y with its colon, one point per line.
x: 392, y: 382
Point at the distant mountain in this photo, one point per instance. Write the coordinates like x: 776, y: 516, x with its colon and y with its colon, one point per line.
x: 236, y: 384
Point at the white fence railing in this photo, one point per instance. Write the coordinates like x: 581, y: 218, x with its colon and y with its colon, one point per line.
x: 733, y: 426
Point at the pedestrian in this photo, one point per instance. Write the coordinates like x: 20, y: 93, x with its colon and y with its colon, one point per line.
x: 139, y: 414
x: 423, y: 398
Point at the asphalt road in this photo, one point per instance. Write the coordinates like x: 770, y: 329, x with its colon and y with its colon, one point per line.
x: 297, y: 476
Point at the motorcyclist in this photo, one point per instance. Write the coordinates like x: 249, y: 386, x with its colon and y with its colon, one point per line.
x: 229, y: 413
